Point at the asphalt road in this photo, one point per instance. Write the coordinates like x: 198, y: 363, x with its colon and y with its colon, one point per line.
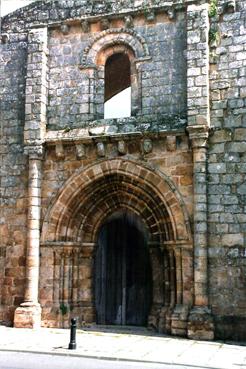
x: 19, y: 360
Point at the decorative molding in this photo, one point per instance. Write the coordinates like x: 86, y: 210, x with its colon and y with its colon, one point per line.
x: 150, y: 15
x: 198, y: 134
x: 65, y: 29
x: 85, y: 25
x: 34, y: 152
x: 128, y: 21
x: 113, y: 37
x: 171, y: 143
x: 60, y: 150
x: 105, y: 24
x: 122, y: 147
x: 80, y: 151
x: 100, y: 149
x: 147, y: 146
x: 171, y: 14
x: 89, y: 177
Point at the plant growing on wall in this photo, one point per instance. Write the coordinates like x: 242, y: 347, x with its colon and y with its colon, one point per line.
x: 63, y: 308
x: 213, y: 9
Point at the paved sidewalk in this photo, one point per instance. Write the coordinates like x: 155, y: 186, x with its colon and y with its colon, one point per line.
x: 130, y: 345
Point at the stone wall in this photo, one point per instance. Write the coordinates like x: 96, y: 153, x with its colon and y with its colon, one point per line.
x: 52, y: 12
x: 189, y: 76
x: 61, y: 294
x: 227, y: 174
x: 13, y: 176
x: 162, y: 79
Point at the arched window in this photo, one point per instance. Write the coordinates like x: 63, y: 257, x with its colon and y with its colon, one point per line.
x: 117, y: 91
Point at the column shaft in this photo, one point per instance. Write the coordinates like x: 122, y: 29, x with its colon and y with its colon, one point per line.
x: 33, y: 231
x: 200, y: 226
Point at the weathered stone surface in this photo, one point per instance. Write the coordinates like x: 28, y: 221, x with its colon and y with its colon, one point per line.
x: 187, y: 188
x: 28, y: 317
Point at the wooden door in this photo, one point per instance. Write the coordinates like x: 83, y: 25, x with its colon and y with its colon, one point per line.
x: 122, y: 274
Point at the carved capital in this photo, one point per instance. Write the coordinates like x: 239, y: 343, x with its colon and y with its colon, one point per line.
x: 34, y: 152
x: 198, y: 135
x: 38, y: 35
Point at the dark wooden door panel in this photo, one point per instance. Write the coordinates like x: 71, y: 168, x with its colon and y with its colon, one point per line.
x: 122, y: 274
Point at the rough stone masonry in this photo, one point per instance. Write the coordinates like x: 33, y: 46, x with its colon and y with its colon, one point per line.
x: 174, y: 172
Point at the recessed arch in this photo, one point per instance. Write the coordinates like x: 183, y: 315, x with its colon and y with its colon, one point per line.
x: 93, y: 60
x: 92, y: 193
x: 112, y: 37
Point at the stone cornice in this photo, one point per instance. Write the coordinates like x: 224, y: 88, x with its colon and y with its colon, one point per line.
x: 55, y: 13
x: 82, y: 136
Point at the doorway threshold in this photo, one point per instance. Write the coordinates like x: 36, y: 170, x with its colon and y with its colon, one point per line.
x: 121, y: 329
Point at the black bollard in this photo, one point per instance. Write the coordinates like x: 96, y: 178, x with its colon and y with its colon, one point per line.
x: 72, y: 344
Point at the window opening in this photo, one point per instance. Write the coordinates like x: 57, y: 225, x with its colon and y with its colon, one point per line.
x: 117, y: 97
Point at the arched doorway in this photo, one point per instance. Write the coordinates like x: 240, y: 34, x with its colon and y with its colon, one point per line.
x: 122, y: 273
x: 91, y: 204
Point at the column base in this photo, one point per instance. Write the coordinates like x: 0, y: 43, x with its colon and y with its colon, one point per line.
x: 164, y: 325
x: 201, y: 324
x: 179, y: 320
x: 28, y: 315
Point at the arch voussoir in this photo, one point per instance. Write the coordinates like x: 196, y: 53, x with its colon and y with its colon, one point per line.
x: 111, y: 184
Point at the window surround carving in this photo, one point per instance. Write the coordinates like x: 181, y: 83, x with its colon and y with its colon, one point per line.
x: 95, y: 55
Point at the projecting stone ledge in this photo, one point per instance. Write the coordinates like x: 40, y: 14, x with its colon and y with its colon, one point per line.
x: 150, y: 125
x: 200, y: 324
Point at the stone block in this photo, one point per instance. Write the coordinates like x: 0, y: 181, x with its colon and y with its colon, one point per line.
x: 240, y: 134
x: 200, y: 324
x: 27, y: 316
x: 233, y: 239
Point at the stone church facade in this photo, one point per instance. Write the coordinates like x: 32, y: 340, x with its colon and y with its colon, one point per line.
x: 139, y: 220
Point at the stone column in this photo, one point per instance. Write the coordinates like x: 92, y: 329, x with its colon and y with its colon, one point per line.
x: 75, y: 277
x: 200, y: 221
x: 56, y: 279
x: 85, y: 282
x: 156, y: 259
x: 181, y: 310
x: 200, y: 321
x: 28, y: 315
x: 200, y: 324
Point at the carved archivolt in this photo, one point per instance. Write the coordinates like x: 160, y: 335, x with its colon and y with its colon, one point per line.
x: 111, y: 37
x: 101, y: 189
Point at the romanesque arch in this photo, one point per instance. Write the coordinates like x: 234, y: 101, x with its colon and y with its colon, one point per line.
x: 84, y: 204
x: 104, y: 45
x: 105, y: 186
x: 113, y: 37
